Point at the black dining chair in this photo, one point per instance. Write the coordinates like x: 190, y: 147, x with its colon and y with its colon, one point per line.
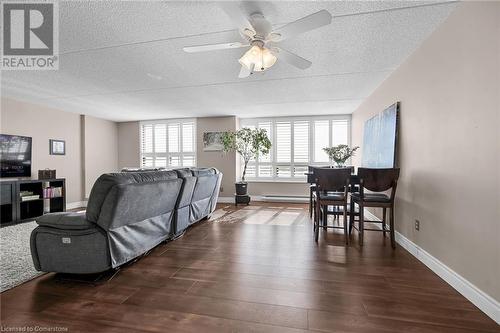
x: 332, y: 186
x: 338, y: 211
x: 375, y: 181
x: 312, y: 188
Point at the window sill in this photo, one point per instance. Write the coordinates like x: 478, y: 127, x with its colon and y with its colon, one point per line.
x: 290, y: 181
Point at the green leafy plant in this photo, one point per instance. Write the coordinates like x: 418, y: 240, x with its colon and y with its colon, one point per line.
x: 340, y: 153
x: 249, y: 143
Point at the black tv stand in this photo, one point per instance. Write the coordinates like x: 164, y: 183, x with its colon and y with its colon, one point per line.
x: 15, y: 209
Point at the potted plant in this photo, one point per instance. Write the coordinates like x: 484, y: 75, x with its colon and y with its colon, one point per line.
x: 249, y: 143
x: 340, y: 154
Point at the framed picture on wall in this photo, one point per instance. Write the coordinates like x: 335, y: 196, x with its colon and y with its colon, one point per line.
x: 212, y: 141
x: 57, y: 147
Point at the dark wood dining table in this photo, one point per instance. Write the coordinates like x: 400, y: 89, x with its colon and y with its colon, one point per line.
x: 354, y: 179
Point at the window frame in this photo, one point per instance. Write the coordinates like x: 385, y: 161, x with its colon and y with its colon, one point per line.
x: 167, y: 154
x: 294, y: 177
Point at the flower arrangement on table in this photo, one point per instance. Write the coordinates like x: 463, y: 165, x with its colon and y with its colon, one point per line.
x: 340, y: 154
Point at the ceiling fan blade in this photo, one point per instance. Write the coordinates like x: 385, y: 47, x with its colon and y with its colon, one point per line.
x: 238, y: 17
x: 292, y: 58
x: 245, y: 71
x: 213, y: 47
x: 307, y: 23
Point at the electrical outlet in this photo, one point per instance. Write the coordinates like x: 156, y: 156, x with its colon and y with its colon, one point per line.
x: 417, y: 225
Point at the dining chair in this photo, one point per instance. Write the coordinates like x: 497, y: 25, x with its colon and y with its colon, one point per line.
x: 312, y: 188
x: 332, y: 186
x: 375, y: 181
x: 338, y: 211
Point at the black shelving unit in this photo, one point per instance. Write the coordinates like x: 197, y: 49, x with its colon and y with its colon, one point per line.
x: 14, y: 210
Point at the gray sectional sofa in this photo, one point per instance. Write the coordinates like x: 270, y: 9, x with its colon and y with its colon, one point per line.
x: 128, y: 214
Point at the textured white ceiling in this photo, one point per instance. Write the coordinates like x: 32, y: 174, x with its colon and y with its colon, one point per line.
x: 124, y: 60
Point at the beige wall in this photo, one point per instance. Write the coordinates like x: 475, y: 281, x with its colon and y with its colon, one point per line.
x: 100, y: 149
x: 225, y: 162
x: 91, y: 143
x: 449, y: 143
x: 42, y: 124
x: 129, y: 152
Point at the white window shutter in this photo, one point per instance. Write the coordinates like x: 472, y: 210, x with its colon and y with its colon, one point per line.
x: 321, y: 140
x: 340, y: 132
x: 283, y: 141
x: 168, y: 143
x: 173, y: 138
x: 301, y: 141
x: 160, y: 138
x: 147, y: 138
x: 188, y: 137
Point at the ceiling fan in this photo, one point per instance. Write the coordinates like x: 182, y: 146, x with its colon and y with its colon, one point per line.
x: 263, y: 42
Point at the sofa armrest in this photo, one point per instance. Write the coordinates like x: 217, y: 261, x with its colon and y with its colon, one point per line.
x: 66, y: 221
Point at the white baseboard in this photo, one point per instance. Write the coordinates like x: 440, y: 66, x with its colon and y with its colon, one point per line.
x: 225, y: 200
x: 283, y: 198
x: 479, y: 298
x: 76, y: 204
x: 476, y: 296
x: 267, y: 199
x: 231, y: 199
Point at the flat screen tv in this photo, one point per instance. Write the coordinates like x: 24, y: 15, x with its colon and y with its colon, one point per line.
x: 15, y: 156
x: 380, y: 139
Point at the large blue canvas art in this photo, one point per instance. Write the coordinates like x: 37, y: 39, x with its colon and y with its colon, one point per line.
x: 380, y: 138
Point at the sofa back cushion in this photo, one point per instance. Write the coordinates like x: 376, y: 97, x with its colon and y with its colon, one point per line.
x: 105, y: 184
x: 205, y: 187
x: 128, y: 204
x: 198, y: 172
x: 189, y: 182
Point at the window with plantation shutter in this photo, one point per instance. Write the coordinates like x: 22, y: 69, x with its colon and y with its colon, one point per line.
x: 283, y: 142
x: 188, y: 137
x: 147, y: 139
x: 173, y: 137
x: 340, y: 130
x: 301, y: 141
x: 321, y: 139
x: 168, y: 143
x: 296, y: 143
x: 160, y: 134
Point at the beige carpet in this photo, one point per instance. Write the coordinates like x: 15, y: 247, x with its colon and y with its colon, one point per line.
x: 16, y: 265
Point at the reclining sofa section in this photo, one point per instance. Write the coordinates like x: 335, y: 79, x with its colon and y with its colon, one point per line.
x: 200, y: 191
x: 127, y: 215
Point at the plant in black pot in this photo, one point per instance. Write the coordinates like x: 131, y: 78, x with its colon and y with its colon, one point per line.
x: 249, y: 143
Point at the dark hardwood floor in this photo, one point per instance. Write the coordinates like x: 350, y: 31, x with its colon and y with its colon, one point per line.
x: 254, y: 269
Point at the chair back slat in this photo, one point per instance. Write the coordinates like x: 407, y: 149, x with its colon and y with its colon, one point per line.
x: 378, y: 180
x: 332, y: 179
x: 310, y: 176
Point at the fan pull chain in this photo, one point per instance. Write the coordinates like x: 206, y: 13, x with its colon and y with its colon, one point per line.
x: 262, y: 59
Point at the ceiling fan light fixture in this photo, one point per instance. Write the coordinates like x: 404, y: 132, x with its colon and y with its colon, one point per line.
x: 260, y: 57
